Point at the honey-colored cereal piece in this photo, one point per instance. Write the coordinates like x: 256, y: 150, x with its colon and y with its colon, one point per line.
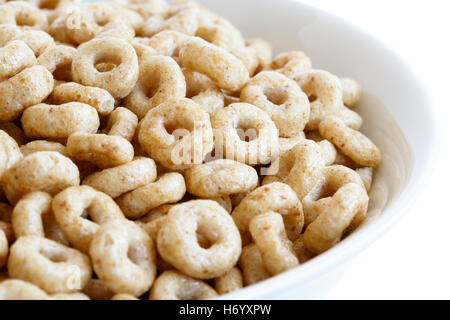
x: 98, y: 98
x: 169, y: 188
x: 46, y: 171
x: 59, y: 121
x: 177, y: 134
x: 229, y: 282
x: 277, y: 197
x: 177, y: 239
x: 120, y: 79
x: 227, y: 71
x: 173, y: 285
x: 352, y: 143
x: 123, y: 123
x: 73, y: 204
x: 252, y: 266
x: 281, y: 98
x: 326, y: 230
x: 100, y: 149
x: 52, y: 266
x: 124, y: 178
x: 268, y: 232
x: 160, y: 79
x: 219, y: 178
x: 124, y: 257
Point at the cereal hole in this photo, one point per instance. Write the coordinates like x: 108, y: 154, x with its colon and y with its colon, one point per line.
x: 277, y: 97
x: 55, y: 257
x: 48, y: 4
x: 107, y: 62
x: 246, y: 131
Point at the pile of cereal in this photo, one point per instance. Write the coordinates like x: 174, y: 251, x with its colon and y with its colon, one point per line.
x: 149, y: 151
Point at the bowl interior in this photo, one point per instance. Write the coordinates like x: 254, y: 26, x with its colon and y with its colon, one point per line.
x: 397, y: 113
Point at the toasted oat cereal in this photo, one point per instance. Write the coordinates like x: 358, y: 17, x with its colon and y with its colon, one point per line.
x: 207, y: 163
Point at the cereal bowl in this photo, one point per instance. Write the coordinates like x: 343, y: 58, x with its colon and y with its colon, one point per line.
x: 394, y: 104
x: 200, y: 100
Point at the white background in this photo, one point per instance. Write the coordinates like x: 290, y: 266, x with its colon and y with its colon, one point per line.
x: 411, y: 261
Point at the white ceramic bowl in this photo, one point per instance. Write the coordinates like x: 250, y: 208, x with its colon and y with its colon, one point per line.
x: 398, y: 116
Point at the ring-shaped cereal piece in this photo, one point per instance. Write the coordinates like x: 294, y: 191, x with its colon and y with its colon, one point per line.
x: 203, y: 91
x: 366, y: 175
x: 287, y: 158
x: 147, y: 8
x: 124, y: 178
x: 334, y: 178
x: 227, y: 71
x: 221, y: 33
x: 103, y: 150
x: 23, y: 14
x: 97, y: 98
x: 97, y: 20
x: 249, y: 58
x: 277, y: 197
x: 352, y: 143
x: 15, y: 57
x: 307, y: 169
x: 38, y: 41
x: 281, y: 98
x: 220, y: 178
x: 143, y: 50
x: 29, y: 87
x: 229, y: 282
x: 264, y: 51
x: 121, y: 79
x: 124, y: 257
x: 43, y: 145
x: 350, y: 118
x: 122, y: 122
x: 10, y: 152
x: 173, y: 285
x: 8, y: 33
x: 182, y: 19
x: 50, y: 265
x: 268, y: 232
x: 59, y: 121
x: 245, y: 133
x: 14, y: 132
x: 58, y: 60
x: 326, y: 230
x: 27, y: 216
x: 167, y: 42
x: 46, y: 171
x: 169, y: 188
x: 292, y: 64
x: 160, y: 79
x: 69, y: 207
x: 15, y: 289
x: 351, y: 92
x: 32, y: 216
x: 177, y: 239
x: 252, y: 265
x: 177, y: 133
x: 4, y: 248
x: 324, y: 91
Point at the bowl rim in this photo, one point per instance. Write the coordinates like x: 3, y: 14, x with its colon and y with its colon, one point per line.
x: 339, y: 254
